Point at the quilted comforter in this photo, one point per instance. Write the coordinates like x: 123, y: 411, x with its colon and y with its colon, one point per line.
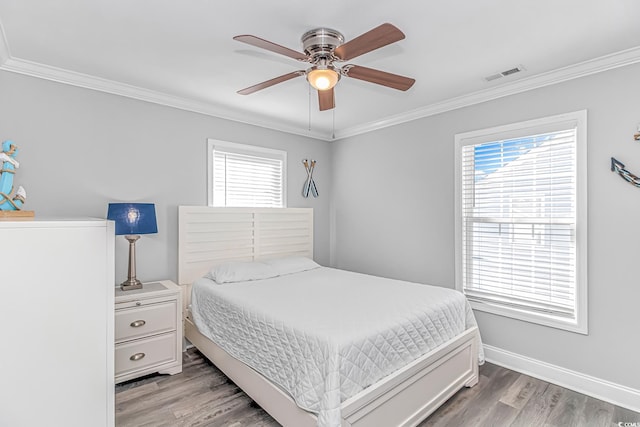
x: 324, y: 335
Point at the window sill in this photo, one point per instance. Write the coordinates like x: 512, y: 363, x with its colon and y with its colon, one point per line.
x: 578, y: 326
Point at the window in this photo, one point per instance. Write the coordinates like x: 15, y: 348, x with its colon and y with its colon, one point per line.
x: 521, y: 211
x: 245, y: 175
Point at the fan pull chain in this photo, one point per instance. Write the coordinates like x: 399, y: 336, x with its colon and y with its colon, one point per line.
x: 333, y: 128
x: 309, y: 86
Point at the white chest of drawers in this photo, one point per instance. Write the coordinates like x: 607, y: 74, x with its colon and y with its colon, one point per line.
x: 56, y: 323
x: 148, y: 331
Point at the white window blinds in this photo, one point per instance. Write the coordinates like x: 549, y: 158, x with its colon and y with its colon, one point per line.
x: 518, y: 202
x: 245, y: 178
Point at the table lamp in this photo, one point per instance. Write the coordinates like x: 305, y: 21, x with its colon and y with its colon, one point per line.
x: 133, y: 219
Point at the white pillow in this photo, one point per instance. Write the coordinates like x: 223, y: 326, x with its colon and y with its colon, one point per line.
x: 240, y: 272
x: 291, y: 265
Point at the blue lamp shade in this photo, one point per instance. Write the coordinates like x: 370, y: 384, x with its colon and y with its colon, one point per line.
x: 133, y: 218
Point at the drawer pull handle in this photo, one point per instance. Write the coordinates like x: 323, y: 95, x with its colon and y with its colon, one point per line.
x: 138, y: 323
x: 137, y: 356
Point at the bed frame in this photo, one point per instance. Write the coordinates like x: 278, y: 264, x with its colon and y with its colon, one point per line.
x: 210, y: 236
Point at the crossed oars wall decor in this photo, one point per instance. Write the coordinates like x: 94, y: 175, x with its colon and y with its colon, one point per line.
x: 309, y: 184
x: 618, y: 167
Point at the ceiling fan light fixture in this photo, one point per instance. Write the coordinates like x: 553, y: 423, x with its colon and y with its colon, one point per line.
x: 323, y: 77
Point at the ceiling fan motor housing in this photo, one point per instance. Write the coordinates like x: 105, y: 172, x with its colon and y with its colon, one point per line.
x: 320, y: 43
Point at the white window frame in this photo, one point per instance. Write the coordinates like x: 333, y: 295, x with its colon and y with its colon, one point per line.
x: 578, y: 120
x: 251, y: 150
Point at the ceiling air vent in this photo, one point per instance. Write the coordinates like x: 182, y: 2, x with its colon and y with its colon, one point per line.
x: 505, y: 73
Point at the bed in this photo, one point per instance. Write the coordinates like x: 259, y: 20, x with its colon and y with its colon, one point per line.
x: 403, y: 396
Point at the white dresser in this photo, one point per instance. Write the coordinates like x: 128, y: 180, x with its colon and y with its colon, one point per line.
x: 56, y: 320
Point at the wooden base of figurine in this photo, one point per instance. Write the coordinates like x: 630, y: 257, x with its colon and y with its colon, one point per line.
x: 13, y: 215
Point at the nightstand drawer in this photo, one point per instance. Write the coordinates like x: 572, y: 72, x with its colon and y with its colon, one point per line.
x: 145, y: 320
x: 145, y: 353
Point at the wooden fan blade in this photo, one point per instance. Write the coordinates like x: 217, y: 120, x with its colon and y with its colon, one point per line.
x: 266, y: 44
x: 378, y: 77
x: 326, y: 99
x: 371, y: 40
x: 268, y: 83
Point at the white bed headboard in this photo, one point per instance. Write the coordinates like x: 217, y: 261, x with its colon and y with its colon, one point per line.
x: 209, y: 236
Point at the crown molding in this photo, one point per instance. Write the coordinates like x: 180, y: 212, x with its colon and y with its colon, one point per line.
x: 582, y: 69
x: 5, y: 53
x: 34, y: 69
x: 73, y: 78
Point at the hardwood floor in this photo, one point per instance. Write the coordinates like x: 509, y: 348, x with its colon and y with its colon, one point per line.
x: 203, y: 396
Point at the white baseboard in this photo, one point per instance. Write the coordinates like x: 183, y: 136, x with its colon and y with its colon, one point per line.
x: 595, y: 387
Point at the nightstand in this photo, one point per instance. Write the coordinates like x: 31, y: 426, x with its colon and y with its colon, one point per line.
x: 148, y: 330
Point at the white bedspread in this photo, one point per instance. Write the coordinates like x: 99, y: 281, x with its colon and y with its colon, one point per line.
x: 324, y: 335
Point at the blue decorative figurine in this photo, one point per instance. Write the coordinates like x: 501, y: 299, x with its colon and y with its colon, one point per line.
x: 8, y: 166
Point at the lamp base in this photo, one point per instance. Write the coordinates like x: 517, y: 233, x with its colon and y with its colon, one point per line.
x: 131, y: 284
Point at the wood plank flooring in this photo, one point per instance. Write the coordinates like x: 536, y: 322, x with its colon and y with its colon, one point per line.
x: 203, y: 396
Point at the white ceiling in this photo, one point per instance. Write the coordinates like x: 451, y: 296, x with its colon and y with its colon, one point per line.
x: 181, y: 53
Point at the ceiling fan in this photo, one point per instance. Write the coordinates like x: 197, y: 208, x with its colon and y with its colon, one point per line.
x: 323, y: 47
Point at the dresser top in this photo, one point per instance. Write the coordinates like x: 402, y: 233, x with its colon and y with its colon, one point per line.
x: 52, y: 222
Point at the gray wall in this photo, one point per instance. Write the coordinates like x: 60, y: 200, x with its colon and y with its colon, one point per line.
x: 393, y: 215
x: 81, y: 149
x: 387, y: 197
